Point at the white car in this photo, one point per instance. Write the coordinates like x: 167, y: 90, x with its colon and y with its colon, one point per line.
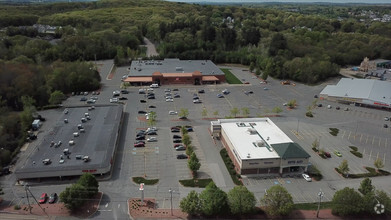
x: 196, y: 101
x: 151, y: 139
x: 151, y: 129
x: 169, y: 100
x: 147, y: 116
x: 114, y: 100
x: 150, y: 89
x: 386, y: 119
x: 116, y: 93
x: 172, y: 113
x: 306, y: 177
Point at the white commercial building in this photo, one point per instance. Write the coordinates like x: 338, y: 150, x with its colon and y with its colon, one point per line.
x: 367, y: 92
x: 258, y: 146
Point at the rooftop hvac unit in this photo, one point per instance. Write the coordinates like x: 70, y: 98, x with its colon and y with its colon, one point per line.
x: 248, y: 156
x: 260, y: 143
x: 178, y: 68
x: 252, y: 131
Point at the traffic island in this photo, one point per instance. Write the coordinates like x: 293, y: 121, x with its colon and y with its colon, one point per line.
x: 148, y: 208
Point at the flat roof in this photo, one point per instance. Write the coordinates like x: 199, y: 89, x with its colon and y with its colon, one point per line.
x: 252, y: 138
x: 374, y: 90
x: 98, y: 142
x: 171, y: 66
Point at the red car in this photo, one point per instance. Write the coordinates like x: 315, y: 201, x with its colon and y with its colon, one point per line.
x: 43, y: 198
x: 139, y: 144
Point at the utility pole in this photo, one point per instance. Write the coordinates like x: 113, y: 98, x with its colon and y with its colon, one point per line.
x: 297, y: 130
x: 27, y: 196
x: 37, y: 202
x: 320, y: 194
x: 171, y: 191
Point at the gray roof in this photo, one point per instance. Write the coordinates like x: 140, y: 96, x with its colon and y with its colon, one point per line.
x: 98, y: 142
x: 375, y: 90
x: 148, y: 67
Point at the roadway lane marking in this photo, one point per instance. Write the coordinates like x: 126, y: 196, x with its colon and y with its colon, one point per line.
x: 373, y: 140
x: 349, y: 135
x: 385, y: 143
x: 379, y: 141
x: 361, y: 137
x: 370, y: 155
x: 343, y: 133
x: 367, y: 139
x: 384, y: 158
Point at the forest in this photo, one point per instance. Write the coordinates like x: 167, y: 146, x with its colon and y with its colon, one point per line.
x: 297, y: 45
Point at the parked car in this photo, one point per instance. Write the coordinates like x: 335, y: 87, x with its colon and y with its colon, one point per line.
x: 337, y: 153
x: 183, y: 118
x: 338, y: 108
x: 124, y: 91
x: 151, y: 97
x: 320, y: 105
x: 197, y: 101
x: 306, y: 177
x: 142, y: 112
x: 172, y: 113
x: 177, y: 145
x: 114, y: 100
x: 140, y: 144
x: 385, y: 126
x: 386, y: 119
x: 175, y: 90
x: 175, y: 130
x: 122, y: 98
x: 225, y: 92
x: 151, y: 139
x: 196, y: 97
x: 176, y: 136
x: 151, y: 129
x: 140, y: 138
x: 151, y: 106
x: 151, y: 133
x: 169, y: 100
x: 181, y: 156
x: 201, y: 91
x: 190, y: 129
x: 143, y: 101
x: 43, y: 198
x: 167, y: 90
x: 220, y: 96
x: 83, y: 99
x: 177, y: 141
x: 90, y: 101
x: 327, y: 154
x: 53, y: 198
x: 180, y: 148
x: 177, y: 96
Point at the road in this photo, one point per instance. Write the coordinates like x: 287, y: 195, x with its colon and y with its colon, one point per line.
x: 151, y: 49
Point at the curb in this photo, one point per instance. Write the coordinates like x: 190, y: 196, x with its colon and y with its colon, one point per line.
x: 100, y: 199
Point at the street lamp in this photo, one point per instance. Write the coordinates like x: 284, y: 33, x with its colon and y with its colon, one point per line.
x: 171, y: 191
x: 320, y: 194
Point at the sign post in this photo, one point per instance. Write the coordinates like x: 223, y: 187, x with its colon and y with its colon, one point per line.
x: 142, y: 193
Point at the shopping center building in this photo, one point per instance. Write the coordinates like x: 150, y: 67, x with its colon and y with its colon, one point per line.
x: 258, y: 147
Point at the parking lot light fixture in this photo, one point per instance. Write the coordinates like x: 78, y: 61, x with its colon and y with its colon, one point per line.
x: 320, y: 194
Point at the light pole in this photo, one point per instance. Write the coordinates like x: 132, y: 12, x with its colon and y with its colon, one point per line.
x: 320, y: 194
x: 171, y: 191
x: 297, y: 129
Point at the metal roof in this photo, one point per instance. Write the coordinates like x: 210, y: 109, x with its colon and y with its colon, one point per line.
x: 290, y: 150
x: 171, y: 66
x: 374, y: 90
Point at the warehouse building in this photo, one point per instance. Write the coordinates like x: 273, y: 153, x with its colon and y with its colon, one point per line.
x: 361, y: 92
x: 258, y: 147
x: 84, y: 140
x: 174, y: 71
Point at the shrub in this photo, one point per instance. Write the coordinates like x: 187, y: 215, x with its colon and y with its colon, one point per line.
x: 315, y: 173
x: 230, y: 167
x: 145, y: 181
x: 334, y: 131
x: 16, y: 207
x: 201, y: 183
x: 309, y: 114
x: 315, y: 149
x: 356, y: 153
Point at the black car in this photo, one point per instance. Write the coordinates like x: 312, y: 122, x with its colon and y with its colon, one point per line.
x: 189, y: 129
x: 123, y: 98
x: 385, y: 126
x: 140, y: 138
x: 338, y: 108
x: 175, y: 130
x: 177, y: 141
x: 177, y: 96
x: 124, y: 91
x: 201, y: 91
x: 151, y: 106
x: 181, y: 156
x: 320, y: 105
x: 151, y: 133
x: 316, y: 96
x: 83, y: 99
x: 142, y: 112
x: 151, y: 97
x: 175, y: 89
x: 183, y: 118
x: 143, y: 101
x: 176, y: 136
x: 195, y: 97
x: 53, y: 198
x: 139, y: 142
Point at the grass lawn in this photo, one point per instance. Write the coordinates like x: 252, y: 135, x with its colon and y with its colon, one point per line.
x: 231, y: 78
x: 313, y: 206
x: 201, y: 183
x: 145, y: 181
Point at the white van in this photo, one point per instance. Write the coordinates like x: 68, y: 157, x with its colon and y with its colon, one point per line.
x: 329, y: 106
x: 154, y: 86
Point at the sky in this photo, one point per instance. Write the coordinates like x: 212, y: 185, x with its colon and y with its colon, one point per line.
x: 304, y: 1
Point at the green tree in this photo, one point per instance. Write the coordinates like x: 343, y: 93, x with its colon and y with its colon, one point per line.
x: 90, y: 183
x: 245, y: 111
x: 315, y: 144
x: 189, y: 149
x: 366, y: 186
x: 234, y: 112
x: 213, y: 200
x: 346, y: 202
x: 277, y: 110
x: 292, y: 103
x: 186, y: 139
x: 191, y: 203
x: 344, y: 167
x: 74, y: 196
x: 252, y: 66
x: 241, y: 201
x: 258, y: 72
x: 194, y: 164
x: 56, y: 97
x: 183, y: 112
x: 28, y: 110
x: 265, y: 75
x: 378, y: 163
x: 278, y: 201
x: 204, y: 112
x: 152, y: 118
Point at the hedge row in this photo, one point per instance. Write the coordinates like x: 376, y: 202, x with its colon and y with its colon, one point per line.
x: 230, y: 167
